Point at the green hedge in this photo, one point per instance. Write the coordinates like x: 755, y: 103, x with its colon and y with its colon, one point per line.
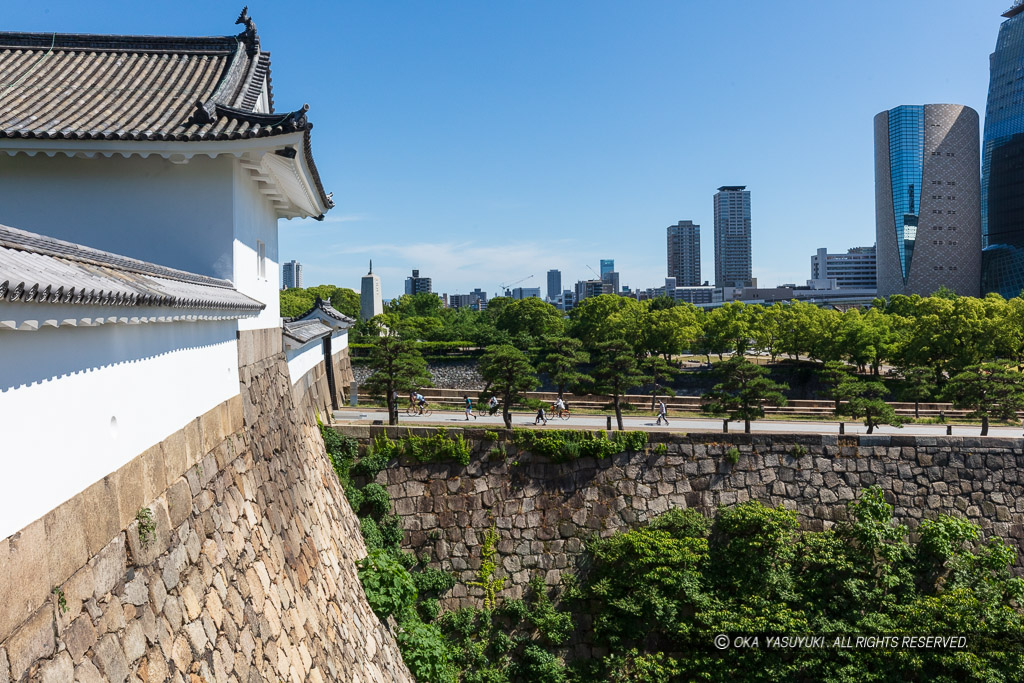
x: 565, y: 445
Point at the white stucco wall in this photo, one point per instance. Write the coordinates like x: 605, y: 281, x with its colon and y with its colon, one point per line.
x: 78, y: 403
x: 255, y: 220
x: 177, y: 215
x: 301, y: 361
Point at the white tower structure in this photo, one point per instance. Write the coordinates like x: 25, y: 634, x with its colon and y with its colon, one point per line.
x: 370, y: 303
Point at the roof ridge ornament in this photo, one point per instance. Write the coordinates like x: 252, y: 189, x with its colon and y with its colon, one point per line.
x: 249, y: 36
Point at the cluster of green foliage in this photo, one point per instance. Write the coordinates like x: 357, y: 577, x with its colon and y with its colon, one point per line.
x: 743, y: 392
x: 295, y: 302
x: 438, y: 447
x: 396, y: 583
x: 564, y: 445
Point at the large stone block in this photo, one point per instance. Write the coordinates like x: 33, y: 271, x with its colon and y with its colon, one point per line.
x: 100, y: 513
x: 31, y: 642
x: 67, y: 548
x: 24, y: 576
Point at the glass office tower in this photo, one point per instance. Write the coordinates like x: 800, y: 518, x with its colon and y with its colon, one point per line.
x: 1002, y: 176
x: 927, y: 197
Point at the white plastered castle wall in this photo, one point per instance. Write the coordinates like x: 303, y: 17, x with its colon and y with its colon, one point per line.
x: 77, y: 403
x: 255, y: 221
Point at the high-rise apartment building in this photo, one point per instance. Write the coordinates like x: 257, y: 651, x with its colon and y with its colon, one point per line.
x: 607, y: 266
x: 370, y: 303
x: 417, y: 284
x: 554, y: 284
x: 291, y: 275
x: 927, y: 200
x: 732, y: 236
x: 684, y: 253
x: 1002, y: 174
x: 856, y: 269
x: 611, y: 279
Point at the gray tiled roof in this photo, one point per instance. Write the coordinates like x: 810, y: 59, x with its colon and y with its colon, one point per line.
x: 36, y: 268
x: 303, y: 331
x: 141, y: 88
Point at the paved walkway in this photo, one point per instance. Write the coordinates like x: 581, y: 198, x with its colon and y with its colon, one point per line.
x: 521, y: 419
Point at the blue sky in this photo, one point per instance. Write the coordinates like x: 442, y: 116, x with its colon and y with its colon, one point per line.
x: 484, y: 142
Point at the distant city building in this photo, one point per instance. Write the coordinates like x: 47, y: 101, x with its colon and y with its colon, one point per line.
x: 554, y: 284
x: 1002, y: 171
x: 291, y: 275
x: 611, y: 278
x: 684, y: 253
x: 856, y: 269
x: 370, y: 303
x: 927, y: 210
x: 417, y: 285
x: 588, y: 288
x: 691, y: 295
x: 476, y: 300
x: 607, y: 266
x: 732, y: 236
x: 525, y: 292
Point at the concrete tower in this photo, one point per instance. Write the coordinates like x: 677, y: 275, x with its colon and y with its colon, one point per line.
x: 927, y: 200
x: 732, y: 236
x: 369, y: 296
x: 684, y: 253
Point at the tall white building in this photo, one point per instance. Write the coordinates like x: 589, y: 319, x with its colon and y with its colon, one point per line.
x: 291, y: 275
x: 370, y: 303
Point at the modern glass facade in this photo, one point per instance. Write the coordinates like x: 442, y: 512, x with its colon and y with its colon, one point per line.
x: 906, y: 164
x: 1002, y: 173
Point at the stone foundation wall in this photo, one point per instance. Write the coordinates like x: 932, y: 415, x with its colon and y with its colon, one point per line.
x: 544, y: 511
x: 247, y: 575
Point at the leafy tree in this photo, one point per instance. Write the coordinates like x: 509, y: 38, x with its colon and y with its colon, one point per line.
x: 561, y: 360
x: 866, y: 399
x: 987, y: 390
x: 508, y: 374
x: 615, y: 371
x: 743, y: 392
x: 918, y: 385
x: 833, y: 375
x: 531, y: 317
x: 397, y: 367
x: 600, y: 318
x: 669, y: 331
x: 728, y: 328
x: 767, y: 332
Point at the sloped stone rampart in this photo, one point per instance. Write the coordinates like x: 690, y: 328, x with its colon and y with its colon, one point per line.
x: 544, y: 511
x: 247, y: 575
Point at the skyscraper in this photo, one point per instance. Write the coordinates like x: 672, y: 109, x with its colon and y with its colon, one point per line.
x: 1002, y: 174
x: 369, y: 296
x: 927, y: 205
x: 607, y: 266
x: 732, y: 236
x: 684, y: 253
x: 554, y: 284
x: 291, y: 276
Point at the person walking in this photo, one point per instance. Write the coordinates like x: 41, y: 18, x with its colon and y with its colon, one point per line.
x: 469, y: 407
x: 540, y: 416
x: 662, y: 413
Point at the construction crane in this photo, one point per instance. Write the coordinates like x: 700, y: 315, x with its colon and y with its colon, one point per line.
x: 505, y: 287
x: 593, y: 271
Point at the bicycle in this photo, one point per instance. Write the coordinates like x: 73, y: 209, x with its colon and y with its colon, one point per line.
x: 561, y: 414
x: 416, y: 410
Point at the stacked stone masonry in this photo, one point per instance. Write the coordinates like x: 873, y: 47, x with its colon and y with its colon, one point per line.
x: 545, y: 512
x: 247, y: 575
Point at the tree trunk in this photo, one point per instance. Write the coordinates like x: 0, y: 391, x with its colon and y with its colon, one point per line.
x: 746, y: 426
x: 984, y: 425
x: 392, y: 408
x: 654, y: 395
x: 618, y: 412
x: 917, y: 406
x: 505, y: 415
x: 871, y: 424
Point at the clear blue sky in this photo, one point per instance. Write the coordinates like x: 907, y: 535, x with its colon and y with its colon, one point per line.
x: 483, y: 142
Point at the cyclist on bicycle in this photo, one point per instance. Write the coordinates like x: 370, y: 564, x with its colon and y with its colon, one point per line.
x: 558, y: 407
x: 421, y: 402
x: 493, y: 405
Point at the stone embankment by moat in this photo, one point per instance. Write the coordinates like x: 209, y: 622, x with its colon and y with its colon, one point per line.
x: 545, y: 511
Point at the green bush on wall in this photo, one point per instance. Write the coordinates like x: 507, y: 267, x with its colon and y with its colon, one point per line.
x: 566, y: 445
